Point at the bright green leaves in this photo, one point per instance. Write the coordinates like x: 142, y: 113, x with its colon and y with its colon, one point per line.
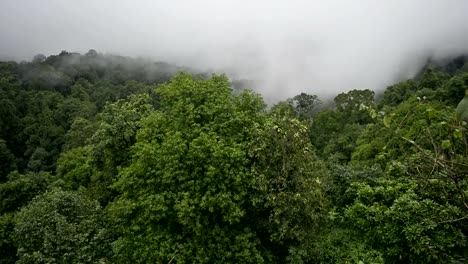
x: 458, y: 134
x: 289, y: 179
x: 405, y: 224
x: 63, y: 227
x: 79, y: 134
x: 334, y: 132
x: 387, y: 120
x: 398, y: 93
x: 189, y: 180
x: 14, y: 194
x: 110, y: 144
x: 414, y: 213
x: 74, y: 167
x: 198, y: 102
x: 462, y: 109
x: 446, y: 144
x: 352, y: 100
x: 213, y: 178
x: 411, y: 120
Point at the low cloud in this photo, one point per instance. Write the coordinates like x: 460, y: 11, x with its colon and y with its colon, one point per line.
x: 318, y: 47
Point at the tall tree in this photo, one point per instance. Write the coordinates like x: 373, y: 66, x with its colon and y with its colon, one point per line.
x: 62, y: 227
x: 289, y: 181
x: 189, y: 182
x: 306, y: 105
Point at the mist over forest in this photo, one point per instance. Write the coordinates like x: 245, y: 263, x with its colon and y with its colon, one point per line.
x: 233, y: 132
x: 318, y: 47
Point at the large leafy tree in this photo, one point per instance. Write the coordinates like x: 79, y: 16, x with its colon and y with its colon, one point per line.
x: 289, y: 183
x: 398, y: 93
x: 416, y: 212
x: 184, y: 197
x: 14, y: 194
x: 406, y: 223
x: 306, y: 105
x: 43, y: 130
x: 334, y: 131
x: 111, y: 142
x: 62, y: 227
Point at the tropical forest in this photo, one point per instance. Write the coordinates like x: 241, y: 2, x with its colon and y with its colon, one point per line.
x: 113, y: 159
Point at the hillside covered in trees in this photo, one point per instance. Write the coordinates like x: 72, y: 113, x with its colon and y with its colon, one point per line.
x: 109, y: 159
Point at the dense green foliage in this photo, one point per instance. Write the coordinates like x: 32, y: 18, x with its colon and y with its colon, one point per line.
x: 61, y: 227
x: 107, y: 159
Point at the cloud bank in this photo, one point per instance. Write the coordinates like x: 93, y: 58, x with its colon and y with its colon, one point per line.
x: 318, y: 47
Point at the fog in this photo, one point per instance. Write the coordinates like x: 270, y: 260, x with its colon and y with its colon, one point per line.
x: 318, y: 47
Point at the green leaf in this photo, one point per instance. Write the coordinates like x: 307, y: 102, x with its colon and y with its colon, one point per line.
x: 446, y: 144
x: 387, y: 120
x: 430, y: 112
x: 458, y: 134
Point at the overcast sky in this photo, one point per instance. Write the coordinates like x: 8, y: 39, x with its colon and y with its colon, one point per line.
x: 319, y: 47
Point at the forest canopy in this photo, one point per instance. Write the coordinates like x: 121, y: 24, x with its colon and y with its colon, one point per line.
x: 110, y: 159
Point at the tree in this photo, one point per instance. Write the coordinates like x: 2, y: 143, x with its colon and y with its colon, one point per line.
x: 353, y: 106
x: 405, y: 224
x: 21, y: 188
x: 289, y: 193
x: 185, y: 194
x: 325, y: 127
x: 39, y: 58
x: 452, y: 90
x: 42, y: 133
x: 415, y: 212
x: 306, y: 105
x: 62, y: 227
x: 431, y: 78
x: 7, y: 161
x: 462, y: 108
x: 17, y: 192
x: 79, y: 134
x: 91, y: 53
x: 75, y: 168
x: 398, y: 93
x: 110, y: 144
x: 7, y: 244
